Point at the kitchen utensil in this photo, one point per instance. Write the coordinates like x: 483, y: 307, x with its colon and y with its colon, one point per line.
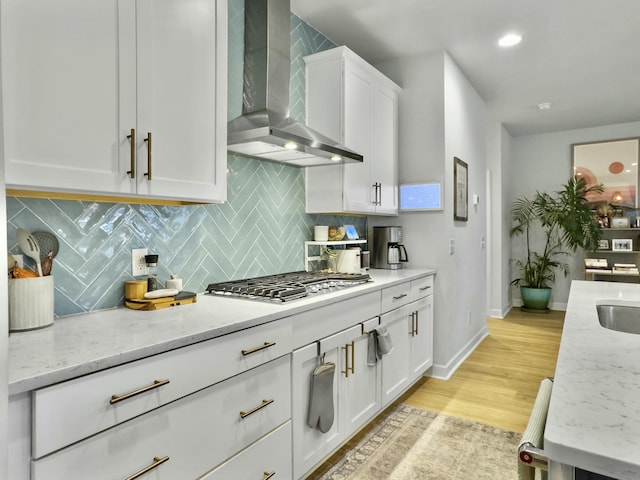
x: 30, y: 247
x: 47, y: 242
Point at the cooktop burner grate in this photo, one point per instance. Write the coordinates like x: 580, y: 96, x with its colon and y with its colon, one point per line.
x: 285, y: 287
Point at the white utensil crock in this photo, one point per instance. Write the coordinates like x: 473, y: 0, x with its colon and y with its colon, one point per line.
x: 30, y: 303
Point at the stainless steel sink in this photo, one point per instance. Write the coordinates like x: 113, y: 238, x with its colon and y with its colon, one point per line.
x: 621, y: 318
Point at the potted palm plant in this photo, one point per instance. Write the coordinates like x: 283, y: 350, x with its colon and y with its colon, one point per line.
x: 560, y: 222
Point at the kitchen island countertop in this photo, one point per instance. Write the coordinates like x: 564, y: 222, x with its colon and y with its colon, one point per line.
x: 82, y: 344
x: 594, y: 414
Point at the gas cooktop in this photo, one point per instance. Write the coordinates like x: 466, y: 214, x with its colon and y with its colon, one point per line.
x: 285, y: 287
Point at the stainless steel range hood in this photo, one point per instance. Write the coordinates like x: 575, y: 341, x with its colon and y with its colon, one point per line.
x: 265, y: 130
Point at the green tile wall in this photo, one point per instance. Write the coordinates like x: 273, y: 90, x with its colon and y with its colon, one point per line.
x: 260, y: 230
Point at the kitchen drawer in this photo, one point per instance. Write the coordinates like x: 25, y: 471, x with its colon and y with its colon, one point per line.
x: 422, y: 287
x: 268, y: 458
x: 396, y: 296
x: 73, y: 410
x: 196, y: 433
x: 321, y: 322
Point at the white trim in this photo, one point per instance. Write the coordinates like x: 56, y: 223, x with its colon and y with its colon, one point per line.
x: 444, y: 372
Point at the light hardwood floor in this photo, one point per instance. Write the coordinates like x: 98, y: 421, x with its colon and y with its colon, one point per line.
x: 497, y: 384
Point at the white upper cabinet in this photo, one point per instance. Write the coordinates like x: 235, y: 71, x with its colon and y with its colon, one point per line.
x: 80, y: 75
x: 353, y: 103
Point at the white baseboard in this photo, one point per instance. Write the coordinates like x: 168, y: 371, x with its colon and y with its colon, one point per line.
x: 444, y: 372
x: 496, y: 313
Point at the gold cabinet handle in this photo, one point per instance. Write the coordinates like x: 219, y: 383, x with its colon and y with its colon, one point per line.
x: 155, y: 384
x: 414, y: 324
x: 422, y: 289
x: 417, y: 323
x: 348, y: 368
x: 157, y: 461
x: 257, y: 349
x: 148, y: 140
x: 264, y: 403
x: 402, y: 295
x: 268, y: 475
x: 132, y: 137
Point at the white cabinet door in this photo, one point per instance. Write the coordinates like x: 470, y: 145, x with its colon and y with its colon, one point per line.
x: 361, y: 389
x: 364, y: 105
x: 310, y: 445
x: 384, y: 145
x: 66, y: 67
x: 421, y: 336
x: 80, y: 75
x: 357, y: 195
x: 356, y: 394
x: 181, y: 49
x: 396, y: 366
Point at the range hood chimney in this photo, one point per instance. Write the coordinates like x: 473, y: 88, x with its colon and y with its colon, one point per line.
x: 265, y: 130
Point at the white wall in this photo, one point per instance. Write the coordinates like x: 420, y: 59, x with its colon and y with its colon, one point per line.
x: 543, y: 162
x: 499, y: 220
x: 442, y: 116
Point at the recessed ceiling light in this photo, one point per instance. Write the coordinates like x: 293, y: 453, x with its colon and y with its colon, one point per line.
x: 544, y: 106
x: 510, y: 39
x: 291, y: 145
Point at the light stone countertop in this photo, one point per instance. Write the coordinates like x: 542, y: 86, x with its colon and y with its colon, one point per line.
x: 82, y: 344
x: 594, y: 414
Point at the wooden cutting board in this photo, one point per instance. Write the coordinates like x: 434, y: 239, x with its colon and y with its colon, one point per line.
x: 158, y: 303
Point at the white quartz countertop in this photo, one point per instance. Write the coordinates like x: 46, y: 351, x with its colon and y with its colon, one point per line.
x: 82, y: 344
x: 594, y: 414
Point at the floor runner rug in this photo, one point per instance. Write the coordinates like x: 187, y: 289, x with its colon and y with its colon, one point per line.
x: 408, y: 443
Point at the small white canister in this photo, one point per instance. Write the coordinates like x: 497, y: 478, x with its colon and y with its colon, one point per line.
x: 30, y: 303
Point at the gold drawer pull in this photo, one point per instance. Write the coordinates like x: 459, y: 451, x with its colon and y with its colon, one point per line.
x: 148, y: 140
x: 268, y: 475
x: 155, y: 384
x: 402, y: 295
x: 156, y: 463
x: 264, y: 403
x: 257, y: 349
x: 422, y: 289
x: 348, y: 368
x: 132, y: 137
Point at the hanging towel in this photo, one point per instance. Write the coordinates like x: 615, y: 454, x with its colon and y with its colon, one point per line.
x: 379, y: 345
x: 320, y: 414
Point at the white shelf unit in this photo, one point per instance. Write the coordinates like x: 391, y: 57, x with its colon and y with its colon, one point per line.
x: 312, y: 258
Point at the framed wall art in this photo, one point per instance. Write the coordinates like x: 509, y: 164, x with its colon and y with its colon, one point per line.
x: 460, y: 190
x: 622, y: 245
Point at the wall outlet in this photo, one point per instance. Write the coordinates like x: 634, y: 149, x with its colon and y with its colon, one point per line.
x: 452, y: 246
x: 468, y: 317
x: 138, y: 263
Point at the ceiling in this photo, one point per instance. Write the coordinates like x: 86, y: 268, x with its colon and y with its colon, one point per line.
x: 581, y: 56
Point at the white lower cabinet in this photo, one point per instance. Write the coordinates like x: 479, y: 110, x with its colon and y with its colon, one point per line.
x: 396, y: 366
x: 185, y: 438
x: 411, y: 330
x: 270, y: 457
x: 421, y: 337
x: 356, y: 393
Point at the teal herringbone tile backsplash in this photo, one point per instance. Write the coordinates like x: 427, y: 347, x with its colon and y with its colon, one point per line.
x: 260, y: 230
